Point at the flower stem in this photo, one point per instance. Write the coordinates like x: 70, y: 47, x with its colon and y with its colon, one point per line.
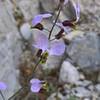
x: 36, y: 65
x: 60, y: 7
x: 2, y: 96
x: 16, y: 93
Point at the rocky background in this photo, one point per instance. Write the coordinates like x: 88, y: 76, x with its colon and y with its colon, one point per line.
x: 79, y: 67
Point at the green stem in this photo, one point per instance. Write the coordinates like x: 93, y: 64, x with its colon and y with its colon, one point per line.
x: 60, y: 7
x: 37, y: 65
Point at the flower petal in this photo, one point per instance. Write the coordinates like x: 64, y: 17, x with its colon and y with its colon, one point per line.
x: 35, y: 80
x: 3, y: 86
x: 35, y: 85
x: 41, y: 41
x: 37, y: 19
x: 77, y: 10
x: 57, y: 48
x: 46, y: 15
x: 36, y: 88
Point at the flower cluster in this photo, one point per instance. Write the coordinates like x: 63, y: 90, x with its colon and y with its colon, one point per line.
x: 55, y: 48
x: 43, y: 43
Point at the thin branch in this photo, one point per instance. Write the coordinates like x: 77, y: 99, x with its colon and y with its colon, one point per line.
x: 16, y: 93
x: 2, y: 95
x: 60, y: 7
x: 37, y: 65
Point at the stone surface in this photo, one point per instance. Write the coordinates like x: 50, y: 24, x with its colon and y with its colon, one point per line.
x: 7, y: 22
x: 85, y: 51
x: 46, y: 4
x: 97, y: 87
x: 53, y: 62
x: 10, y: 50
x: 29, y: 8
x: 25, y: 30
x: 83, y: 83
x: 81, y: 92
x: 68, y: 73
x: 53, y: 97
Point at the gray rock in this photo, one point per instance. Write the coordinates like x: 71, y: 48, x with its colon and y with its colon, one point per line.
x: 53, y: 62
x: 91, y: 87
x: 7, y: 22
x: 86, y: 99
x: 97, y: 87
x: 10, y: 50
x: 68, y: 73
x: 81, y: 92
x: 49, y: 5
x: 85, y: 51
x: 25, y: 30
x: 83, y: 83
x: 54, y: 97
x: 29, y: 8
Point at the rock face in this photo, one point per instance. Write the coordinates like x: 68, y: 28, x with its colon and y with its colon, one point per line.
x: 46, y: 4
x: 85, y: 51
x: 29, y: 8
x: 7, y: 22
x: 10, y: 50
x: 53, y: 62
x: 81, y: 92
x: 68, y: 73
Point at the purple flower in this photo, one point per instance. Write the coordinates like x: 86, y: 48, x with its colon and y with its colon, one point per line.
x: 54, y: 48
x: 37, y: 19
x: 36, y: 85
x: 3, y: 86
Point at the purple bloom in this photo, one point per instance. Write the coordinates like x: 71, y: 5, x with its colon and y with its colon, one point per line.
x: 57, y: 48
x: 36, y: 85
x: 54, y: 48
x: 3, y: 86
x: 37, y: 19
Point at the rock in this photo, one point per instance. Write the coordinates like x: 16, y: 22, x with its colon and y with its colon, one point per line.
x: 54, y: 97
x: 98, y: 78
x: 91, y: 87
x: 85, y: 52
x: 68, y: 73
x: 73, y: 34
x: 81, y: 92
x: 97, y: 87
x: 29, y: 8
x: 86, y: 99
x: 83, y: 83
x: 53, y: 62
x: 10, y: 50
x: 25, y: 30
x: 7, y: 22
x: 49, y: 5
